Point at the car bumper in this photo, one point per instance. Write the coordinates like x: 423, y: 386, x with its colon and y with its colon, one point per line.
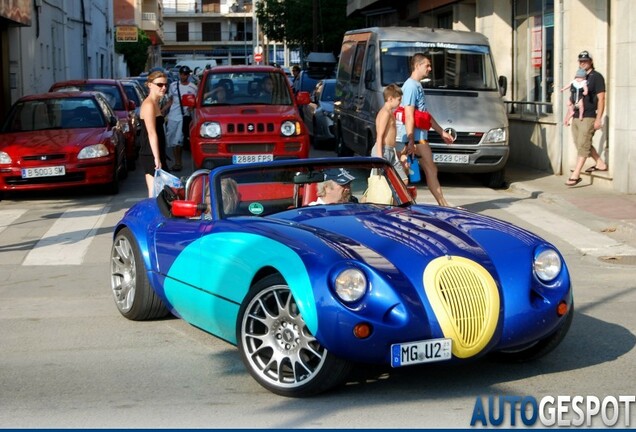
x: 79, y: 174
x: 208, y: 154
x: 481, y: 159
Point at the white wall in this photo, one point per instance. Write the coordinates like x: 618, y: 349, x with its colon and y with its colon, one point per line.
x: 53, y: 49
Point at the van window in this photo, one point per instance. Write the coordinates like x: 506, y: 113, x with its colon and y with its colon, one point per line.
x: 455, y: 66
x: 357, y: 62
x: 369, y: 74
x: 346, y: 58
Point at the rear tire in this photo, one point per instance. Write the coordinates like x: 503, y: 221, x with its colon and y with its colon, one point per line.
x: 134, y: 297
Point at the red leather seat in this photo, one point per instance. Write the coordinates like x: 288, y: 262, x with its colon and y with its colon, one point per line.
x: 196, y: 189
x: 310, y: 193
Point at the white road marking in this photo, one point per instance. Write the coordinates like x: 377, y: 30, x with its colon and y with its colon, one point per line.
x: 7, y: 217
x: 67, y: 241
x: 570, y: 231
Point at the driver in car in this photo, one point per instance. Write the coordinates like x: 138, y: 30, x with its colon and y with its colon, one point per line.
x: 336, y: 188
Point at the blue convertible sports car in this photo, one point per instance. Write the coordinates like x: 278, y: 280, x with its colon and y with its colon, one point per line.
x: 307, y: 291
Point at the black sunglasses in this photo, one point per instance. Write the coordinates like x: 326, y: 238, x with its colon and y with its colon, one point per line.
x: 160, y: 85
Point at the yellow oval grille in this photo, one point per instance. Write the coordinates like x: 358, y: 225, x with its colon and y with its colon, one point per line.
x: 465, y: 300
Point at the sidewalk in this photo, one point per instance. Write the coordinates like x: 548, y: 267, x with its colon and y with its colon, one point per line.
x: 602, y: 209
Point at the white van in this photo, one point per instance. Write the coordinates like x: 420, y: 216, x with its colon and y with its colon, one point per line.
x: 462, y: 93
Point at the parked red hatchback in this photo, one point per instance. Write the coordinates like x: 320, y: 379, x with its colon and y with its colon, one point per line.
x: 57, y: 140
x: 116, y: 96
x: 246, y: 114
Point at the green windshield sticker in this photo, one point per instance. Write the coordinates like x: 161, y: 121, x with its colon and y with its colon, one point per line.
x: 256, y: 208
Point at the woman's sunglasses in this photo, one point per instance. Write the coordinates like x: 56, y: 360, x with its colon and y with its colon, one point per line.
x: 160, y: 85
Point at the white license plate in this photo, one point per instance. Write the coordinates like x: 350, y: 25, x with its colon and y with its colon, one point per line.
x: 427, y: 351
x: 43, y: 172
x: 450, y: 158
x: 251, y: 158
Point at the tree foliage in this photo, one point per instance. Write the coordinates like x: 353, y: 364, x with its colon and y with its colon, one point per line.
x: 293, y: 20
x: 135, y: 53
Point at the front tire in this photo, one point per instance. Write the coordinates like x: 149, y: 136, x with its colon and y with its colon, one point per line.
x: 278, y: 349
x: 134, y: 297
x: 496, y: 179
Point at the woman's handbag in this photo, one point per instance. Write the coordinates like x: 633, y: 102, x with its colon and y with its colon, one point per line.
x: 378, y: 190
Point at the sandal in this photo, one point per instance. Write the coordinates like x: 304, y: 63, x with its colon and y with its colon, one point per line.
x: 573, y: 182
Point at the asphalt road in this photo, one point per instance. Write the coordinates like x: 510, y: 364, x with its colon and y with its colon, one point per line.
x: 68, y: 359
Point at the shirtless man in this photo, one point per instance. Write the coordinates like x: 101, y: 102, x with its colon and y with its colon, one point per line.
x: 386, y: 132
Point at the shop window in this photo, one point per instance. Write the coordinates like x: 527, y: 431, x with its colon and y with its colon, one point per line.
x: 533, y: 55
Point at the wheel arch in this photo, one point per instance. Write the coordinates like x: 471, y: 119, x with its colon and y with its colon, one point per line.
x: 299, y: 284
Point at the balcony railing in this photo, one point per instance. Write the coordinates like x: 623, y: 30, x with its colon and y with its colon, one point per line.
x: 234, y: 38
x: 202, y: 7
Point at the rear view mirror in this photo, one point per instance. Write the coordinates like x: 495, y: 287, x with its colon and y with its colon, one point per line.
x: 183, y: 208
x: 303, y: 98
x: 503, y: 85
x: 188, y: 100
x: 310, y: 177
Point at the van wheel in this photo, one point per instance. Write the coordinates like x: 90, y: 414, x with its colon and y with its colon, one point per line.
x: 495, y: 180
x: 341, y: 148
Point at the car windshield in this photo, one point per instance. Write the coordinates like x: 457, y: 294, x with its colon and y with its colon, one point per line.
x: 63, y: 113
x: 113, y: 96
x: 265, y: 191
x: 132, y: 94
x: 260, y: 88
x: 454, y: 66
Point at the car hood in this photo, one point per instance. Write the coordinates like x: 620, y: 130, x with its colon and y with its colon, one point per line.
x: 52, y: 140
x: 255, y: 112
x: 410, y: 238
x: 464, y: 110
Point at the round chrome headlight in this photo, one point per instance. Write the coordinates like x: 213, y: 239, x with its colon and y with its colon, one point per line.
x: 547, y: 265
x: 210, y: 130
x: 288, y: 128
x: 350, y: 285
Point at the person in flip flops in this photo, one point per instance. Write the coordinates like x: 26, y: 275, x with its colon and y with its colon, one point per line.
x: 583, y: 130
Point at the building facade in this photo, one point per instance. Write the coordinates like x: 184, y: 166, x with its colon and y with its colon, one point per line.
x: 223, y: 30
x: 56, y: 40
x: 535, y: 44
